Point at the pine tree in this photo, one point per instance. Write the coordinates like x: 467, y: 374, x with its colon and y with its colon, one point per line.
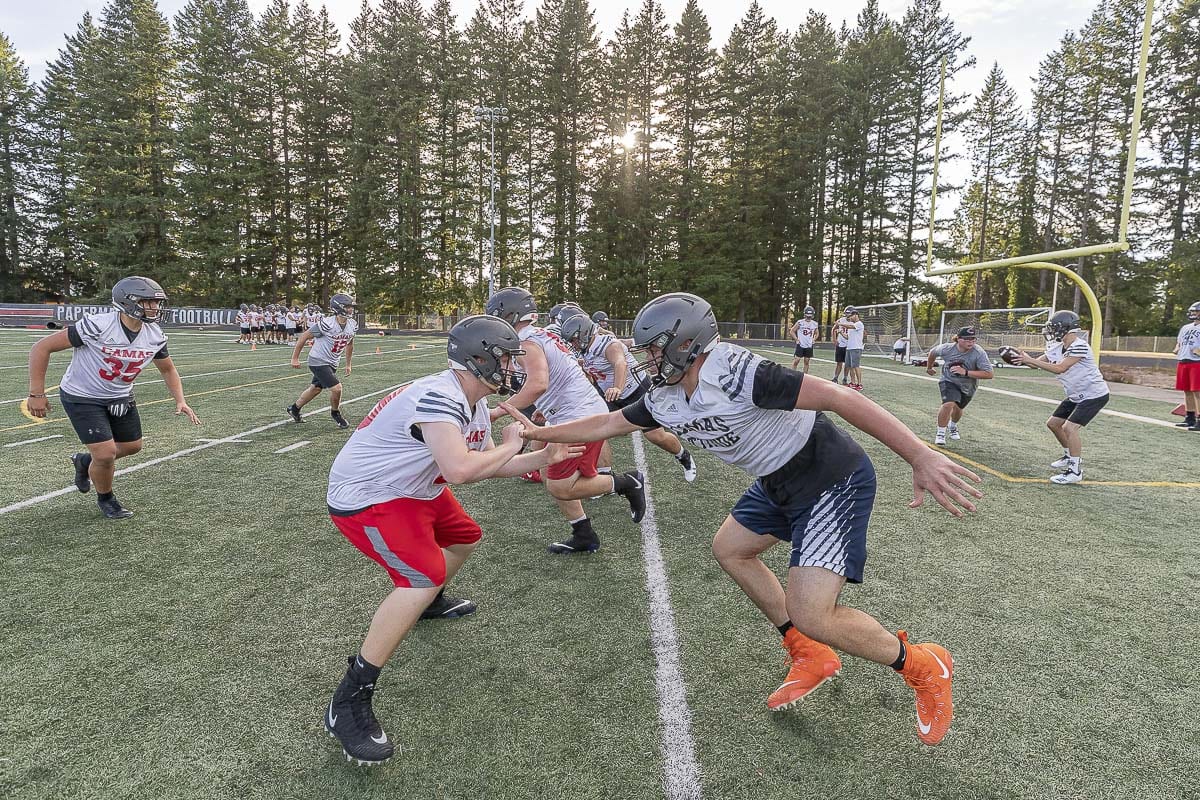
x: 16, y: 170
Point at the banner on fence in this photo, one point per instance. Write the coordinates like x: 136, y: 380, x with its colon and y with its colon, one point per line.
x: 67, y: 313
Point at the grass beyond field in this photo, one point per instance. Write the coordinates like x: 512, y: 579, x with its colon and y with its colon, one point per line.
x: 188, y: 652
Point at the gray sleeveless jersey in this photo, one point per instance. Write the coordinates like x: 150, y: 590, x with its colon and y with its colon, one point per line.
x: 105, y: 367
x: 330, y: 341
x: 570, y: 395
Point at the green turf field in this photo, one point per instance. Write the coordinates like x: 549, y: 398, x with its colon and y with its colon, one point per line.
x: 189, y: 652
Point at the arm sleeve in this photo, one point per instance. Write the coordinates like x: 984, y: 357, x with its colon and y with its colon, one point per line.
x: 638, y: 414
x: 74, y: 337
x: 775, y: 386
x: 162, y: 353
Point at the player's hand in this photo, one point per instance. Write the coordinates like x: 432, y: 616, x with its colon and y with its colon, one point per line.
x: 959, y: 370
x: 184, y: 408
x: 612, y: 395
x: 37, y: 406
x: 930, y: 370
x: 295, y: 364
x: 511, y: 434
x: 497, y: 412
x: 1022, y: 357
x: 558, y: 452
x: 946, y: 481
x: 529, y: 431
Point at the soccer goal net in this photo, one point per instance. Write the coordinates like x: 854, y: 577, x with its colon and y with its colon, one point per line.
x: 885, y: 324
x: 1015, y: 327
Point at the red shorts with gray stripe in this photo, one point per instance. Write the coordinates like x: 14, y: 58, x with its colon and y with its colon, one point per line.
x: 406, y: 536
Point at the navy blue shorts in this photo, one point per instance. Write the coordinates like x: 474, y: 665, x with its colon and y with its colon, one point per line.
x: 829, y: 530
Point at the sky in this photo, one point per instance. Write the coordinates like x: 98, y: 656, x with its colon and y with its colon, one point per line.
x: 1014, y: 33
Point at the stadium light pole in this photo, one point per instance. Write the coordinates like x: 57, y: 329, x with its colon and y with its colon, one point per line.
x: 491, y: 115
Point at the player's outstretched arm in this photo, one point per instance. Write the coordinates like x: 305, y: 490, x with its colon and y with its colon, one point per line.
x: 932, y: 471
x: 589, y: 429
x: 615, y: 355
x: 39, y: 361
x: 539, y: 459
x: 1048, y: 366
x: 175, y: 387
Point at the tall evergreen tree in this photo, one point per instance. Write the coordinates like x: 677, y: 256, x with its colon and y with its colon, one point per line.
x: 16, y: 169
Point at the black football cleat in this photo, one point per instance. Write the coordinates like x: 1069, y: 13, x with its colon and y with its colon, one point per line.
x: 448, y: 608
x: 294, y: 413
x: 82, y: 461
x: 575, y: 544
x: 636, y: 495
x: 350, y: 719
x: 339, y: 419
x: 113, y: 509
x: 689, y: 466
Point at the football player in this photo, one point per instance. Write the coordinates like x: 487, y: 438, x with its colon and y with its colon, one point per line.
x: 601, y: 319
x: 1069, y: 358
x: 839, y: 348
x: 814, y: 488
x: 107, y: 352
x: 853, y: 328
x: 243, y: 321
x: 805, y: 331
x: 1187, y: 370
x: 389, y: 494
x: 608, y: 362
x: 556, y: 386
x: 964, y: 365
x: 900, y: 349
x: 332, y: 337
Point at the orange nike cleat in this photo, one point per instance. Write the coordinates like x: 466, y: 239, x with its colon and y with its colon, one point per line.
x: 813, y: 664
x: 929, y: 670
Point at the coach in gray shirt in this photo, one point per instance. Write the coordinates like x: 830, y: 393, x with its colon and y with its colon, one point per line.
x: 964, y: 364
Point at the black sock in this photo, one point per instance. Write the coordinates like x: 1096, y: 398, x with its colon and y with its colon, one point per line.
x: 784, y: 628
x: 362, y: 672
x: 102, y: 496
x: 583, y: 529
x: 1190, y: 418
x: 622, y: 483
x: 898, y: 664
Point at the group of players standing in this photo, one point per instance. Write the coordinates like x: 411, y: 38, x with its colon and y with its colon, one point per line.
x: 274, y: 323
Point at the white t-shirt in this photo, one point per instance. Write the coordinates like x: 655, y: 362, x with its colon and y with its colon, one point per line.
x: 386, y: 457
x: 854, y: 336
x: 292, y: 320
x: 1189, y: 341
x: 597, y: 365
x: 106, y: 364
x: 840, y: 332
x: 569, y: 395
x: 1083, y: 380
x: 806, y: 332
x: 330, y: 340
x: 899, y: 344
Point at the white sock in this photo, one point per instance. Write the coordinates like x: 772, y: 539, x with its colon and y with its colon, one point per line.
x: 953, y: 426
x: 604, y: 470
x: 1076, y: 463
x: 581, y: 519
x: 941, y: 431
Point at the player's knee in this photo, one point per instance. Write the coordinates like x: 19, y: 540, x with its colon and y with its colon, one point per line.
x: 562, y: 490
x: 1054, y: 423
x: 104, y: 458
x: 810, y: 620
x: 130, y: 448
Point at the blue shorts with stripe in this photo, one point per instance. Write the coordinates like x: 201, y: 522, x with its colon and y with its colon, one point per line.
x: 829, y: 530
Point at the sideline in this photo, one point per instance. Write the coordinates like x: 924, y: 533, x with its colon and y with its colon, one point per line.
x: 681, y: 771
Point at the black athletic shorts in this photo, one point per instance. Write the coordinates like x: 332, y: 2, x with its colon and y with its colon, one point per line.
x: 952, y: 393
x: 839, y: 355
x: 94, y: 422
x: 280, y: 328
x: 803, y: 352
x: 1080, y: 413
x: 245, y: 331
x: 634, y: 396
x: 324, y: 376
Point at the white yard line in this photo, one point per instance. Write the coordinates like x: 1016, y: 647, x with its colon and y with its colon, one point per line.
x: 681, y: 770
x: 291, y: 447
x: 1162, y: 423
x: 31, y: 441
x: 188, y: 451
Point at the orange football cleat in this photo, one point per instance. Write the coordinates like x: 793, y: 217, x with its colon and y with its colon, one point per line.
x: 929, y: 670
x: 813, y: 664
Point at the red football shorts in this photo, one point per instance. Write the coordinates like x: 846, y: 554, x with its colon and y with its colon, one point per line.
x: 406, y: 536
x: 1187, y: 376
x: 584, y: 464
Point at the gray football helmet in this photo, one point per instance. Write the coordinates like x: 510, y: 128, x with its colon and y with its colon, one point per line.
x: 478, y: 343
x: 128, y: 293
x: 243, y: 308
x: 578, y: 331
x: 569, y: 310
x: 809, y: 312
x: 682, y: 326
x: 343, y: 305
x: 1193, y: 312
x: 512, y: 304
x: 599, y: 317
x: 1058, y: 326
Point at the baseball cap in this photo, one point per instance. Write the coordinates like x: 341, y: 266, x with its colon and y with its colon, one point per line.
x: 966, y: 333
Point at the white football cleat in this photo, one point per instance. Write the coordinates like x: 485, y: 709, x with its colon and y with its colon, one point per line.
x: 954, y: 434
x: 1067, y: 477
x: 940, y: 438
x: 1062, y: 463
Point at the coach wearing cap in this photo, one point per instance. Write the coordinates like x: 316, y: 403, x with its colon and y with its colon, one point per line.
x: 964, y: 364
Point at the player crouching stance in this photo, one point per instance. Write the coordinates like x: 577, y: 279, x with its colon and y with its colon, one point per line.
x: 815, y: 487
x: 388, y: 495
x: 332, y: 336
x: 107, y: 353
x: 1069, y: 357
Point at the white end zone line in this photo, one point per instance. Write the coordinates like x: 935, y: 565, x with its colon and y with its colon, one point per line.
x: 1006, y: 392
x: 31, y: 441
x: 188, y: 451
x: 681, y: 771
x: 290, y: 447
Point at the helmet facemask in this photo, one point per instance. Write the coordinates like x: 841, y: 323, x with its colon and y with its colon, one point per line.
x: 491, y: 370
x: 663, y: 369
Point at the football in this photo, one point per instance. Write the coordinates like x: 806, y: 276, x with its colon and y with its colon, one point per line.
x: 1009, y: 355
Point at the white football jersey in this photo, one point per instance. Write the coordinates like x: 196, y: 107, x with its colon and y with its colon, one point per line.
x: 243, y: 319
x: 1083, y: 380
x: 597, y: 365
x: 293, y: 319
x: 105, y: 367
x: 313, y: 319
x: 330, y: 341
x: 569, y: 395
x: 841, y: 333
x: 721, y: 416
x: 807, y: 332
x: 268, y: 317
x: 386, y: 456
x: 1189, y: 342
